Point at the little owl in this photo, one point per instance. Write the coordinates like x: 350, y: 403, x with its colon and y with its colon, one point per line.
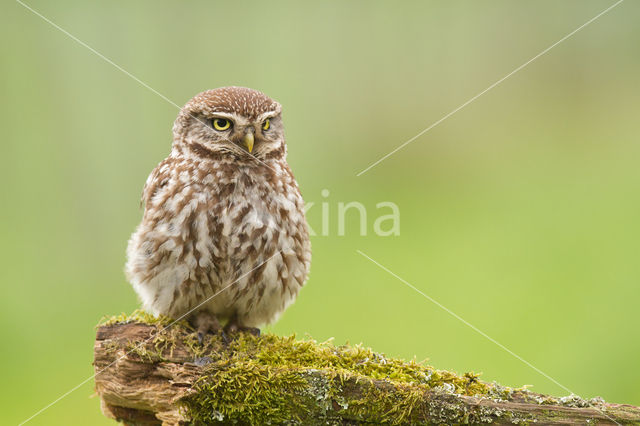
x: 223, y: 236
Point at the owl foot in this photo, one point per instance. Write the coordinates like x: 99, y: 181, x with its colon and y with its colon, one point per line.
x: 205, y: 322
x: 233, y: 327
x: 251, y: 330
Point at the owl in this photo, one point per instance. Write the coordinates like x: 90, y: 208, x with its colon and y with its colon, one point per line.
x: 223, y: 236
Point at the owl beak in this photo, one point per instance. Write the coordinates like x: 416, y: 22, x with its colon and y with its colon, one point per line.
x: 248, y: 141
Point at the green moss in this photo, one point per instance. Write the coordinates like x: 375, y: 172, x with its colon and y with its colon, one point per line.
x: 138, y: 316
x: 253, y: 393
x: 267, y: 379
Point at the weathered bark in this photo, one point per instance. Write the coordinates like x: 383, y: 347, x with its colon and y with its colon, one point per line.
x: 148, y: 375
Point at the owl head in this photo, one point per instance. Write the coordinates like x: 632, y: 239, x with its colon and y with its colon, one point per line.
x: 231, y: 122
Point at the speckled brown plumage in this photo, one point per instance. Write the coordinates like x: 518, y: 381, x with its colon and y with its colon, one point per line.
x: 222, y: 221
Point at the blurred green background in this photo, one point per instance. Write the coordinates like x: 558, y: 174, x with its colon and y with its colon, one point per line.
x: 519, y: 213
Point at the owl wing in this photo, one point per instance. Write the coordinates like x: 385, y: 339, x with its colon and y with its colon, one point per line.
x: 158, y: 178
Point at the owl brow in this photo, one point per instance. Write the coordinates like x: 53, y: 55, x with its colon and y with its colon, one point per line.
x: 222, y: 115
x: 270, y: 114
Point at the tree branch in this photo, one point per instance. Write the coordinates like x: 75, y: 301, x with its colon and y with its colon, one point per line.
x: 147, y: 373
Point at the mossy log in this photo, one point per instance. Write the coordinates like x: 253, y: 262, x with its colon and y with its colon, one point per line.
x: 149, y: 373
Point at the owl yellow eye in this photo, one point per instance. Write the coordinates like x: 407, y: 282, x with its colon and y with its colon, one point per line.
x: 266, y: 124
x: 221, y: 124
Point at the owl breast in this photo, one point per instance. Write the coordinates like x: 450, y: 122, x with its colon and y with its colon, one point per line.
x: 230, y: 242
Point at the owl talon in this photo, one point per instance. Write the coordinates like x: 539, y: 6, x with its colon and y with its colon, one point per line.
x: 206, y: 322
x: 231, y: 327
x: 234, y: 328
x: 251, y: 330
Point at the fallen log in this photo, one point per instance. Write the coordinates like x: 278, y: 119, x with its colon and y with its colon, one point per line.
x: 149, y: 371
